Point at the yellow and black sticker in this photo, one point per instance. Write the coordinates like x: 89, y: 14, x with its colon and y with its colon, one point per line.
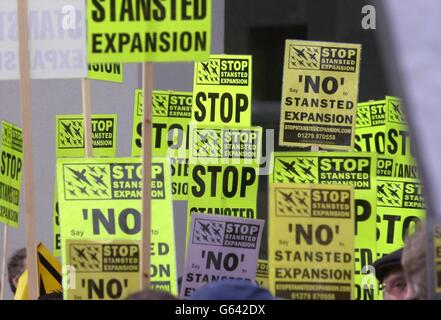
x: 70, y: 135
x: 102, y: 269
x: 222, y: 90
x: 400, y: 206
x: 319, y: 94
x: 311, y: 241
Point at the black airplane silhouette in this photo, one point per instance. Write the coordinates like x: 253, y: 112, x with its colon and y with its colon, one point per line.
x: 301, y: 53
x: 301, y: 161
x: 104, y: 191
x: 205, y: 228
x: 98, y: 180
x: 67, y: 128
x: 70, y: 184
x: 289, y: 208
x: 302, y: 63
x: 103, y: 170
x: 302, y: 201
x: 288, y: 197
x: 80, y: 176
x: 213, y: 69
x: 312, y: 56
x: 80, y: 253
x: 93, y: 256
x: 205, y: 67
x: 307, y: 171
x: 77, y: 132
x: 96, y: 192
x: 396, y: 108
x: 380, y: 189
x: 83, y: 190
x: 291, y: 179
x: 289, y: 166
x: 205, y: 237
x: 217, y: 232
x: 68, y: 140
x: 72, y: 192
x: 92, y: 169
x: 393, y: 192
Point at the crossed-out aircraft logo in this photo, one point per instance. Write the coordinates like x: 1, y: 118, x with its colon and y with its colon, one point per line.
x: 363, y: 116
x: 208, y: 232
x: 389, y: 194
x: 87, y: 182
x: 208, y: 72
x: 70, y: 134
x: 395, y: 112
x: 85, y: 257
x: 304, y: 57
x: 160, y: 105
x: 207, y: 143
x: 292, y: 203
x: 295, y: 170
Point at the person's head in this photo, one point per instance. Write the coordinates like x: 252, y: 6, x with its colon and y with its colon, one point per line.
x: 231, y: 290
x: 149, y: 294
x: 16, y: 266
x: 414, y: 263
x: 389, y: 272
x: 56, y: 295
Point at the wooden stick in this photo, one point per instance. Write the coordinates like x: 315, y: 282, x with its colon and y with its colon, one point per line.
x: 26, y: 114
x: 147, y: 86
x: 5, y: 257
x: 87, y: 114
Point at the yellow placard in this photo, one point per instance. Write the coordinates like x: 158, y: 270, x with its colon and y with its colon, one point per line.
x: 345, y: 168
x: 400, y: 206
x: 11, y: 171
x: 224, y: 171
x: 222, y: 90
x: 319, y: 94
x: 311, y: 241
x: 100, y: 199
x: 148, y: 31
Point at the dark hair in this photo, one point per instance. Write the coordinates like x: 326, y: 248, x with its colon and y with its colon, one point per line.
x: 148, y: 294
x: 55, y: 295
x: 16, y: 266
